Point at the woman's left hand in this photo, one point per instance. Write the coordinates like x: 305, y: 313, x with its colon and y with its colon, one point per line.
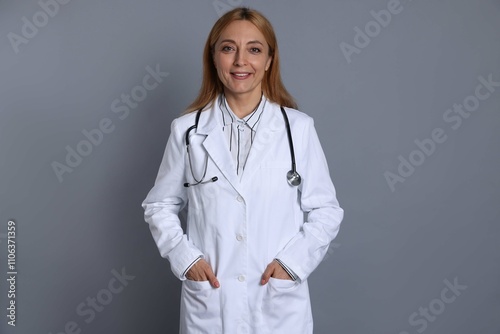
x: 274, y: 270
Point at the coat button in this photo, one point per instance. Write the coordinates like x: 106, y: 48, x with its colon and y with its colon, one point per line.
x: 239, y: 199
x: 241, y: 278
x: 239, y: 237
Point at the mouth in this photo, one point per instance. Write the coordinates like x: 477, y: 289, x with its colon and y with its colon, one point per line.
x: 240, y: 75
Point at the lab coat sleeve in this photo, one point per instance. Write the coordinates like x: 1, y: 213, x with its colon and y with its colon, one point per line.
x: 163, y: 204
x: 308, y: 247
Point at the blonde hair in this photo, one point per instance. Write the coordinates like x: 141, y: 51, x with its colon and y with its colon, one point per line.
x: 211, y: 86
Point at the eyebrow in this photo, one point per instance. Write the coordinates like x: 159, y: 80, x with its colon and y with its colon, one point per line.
x: 249, y: 42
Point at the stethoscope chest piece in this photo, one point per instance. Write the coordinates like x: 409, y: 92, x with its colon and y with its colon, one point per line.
x: 293, y: 178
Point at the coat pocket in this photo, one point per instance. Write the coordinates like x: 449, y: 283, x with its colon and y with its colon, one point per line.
x: 200, y: 308
x: 286, y: 307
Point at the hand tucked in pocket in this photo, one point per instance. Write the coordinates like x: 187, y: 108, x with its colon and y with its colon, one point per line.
x: 201, y: 271
x: 274, y: 270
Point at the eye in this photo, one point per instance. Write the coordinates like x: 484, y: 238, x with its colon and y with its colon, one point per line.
x: 255, y: 50
x: 227, y: 48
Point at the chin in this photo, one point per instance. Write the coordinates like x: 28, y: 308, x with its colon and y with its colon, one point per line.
x: 239, y: 90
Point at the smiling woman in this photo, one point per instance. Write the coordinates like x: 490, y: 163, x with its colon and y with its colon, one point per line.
x: 241, y: 57
x: 247, y: 251
x: 271, y: 84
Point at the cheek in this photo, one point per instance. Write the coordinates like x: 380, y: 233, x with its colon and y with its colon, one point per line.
x: 261, y: 69
x: 262, y: 65
x: 224, y: 76
x: 221, y: 69
x: 218, y: 62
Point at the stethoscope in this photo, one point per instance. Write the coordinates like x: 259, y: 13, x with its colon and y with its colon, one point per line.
x: 292, y: 176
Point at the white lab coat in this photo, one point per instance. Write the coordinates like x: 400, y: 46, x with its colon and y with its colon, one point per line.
x: 240, y: 226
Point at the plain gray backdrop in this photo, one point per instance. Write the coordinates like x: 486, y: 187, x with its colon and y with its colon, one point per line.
x: 403, y: 108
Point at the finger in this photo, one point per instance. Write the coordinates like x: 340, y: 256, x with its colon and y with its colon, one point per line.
x: 209, y: 275
x: 214, y: 282
x: 267, y: 274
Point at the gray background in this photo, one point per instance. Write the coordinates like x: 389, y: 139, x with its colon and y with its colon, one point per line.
x: 396, y: 248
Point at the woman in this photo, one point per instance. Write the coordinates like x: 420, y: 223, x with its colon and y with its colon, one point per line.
x: 252, y: 237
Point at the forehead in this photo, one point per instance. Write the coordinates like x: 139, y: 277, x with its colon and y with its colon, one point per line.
x: 242, y: 30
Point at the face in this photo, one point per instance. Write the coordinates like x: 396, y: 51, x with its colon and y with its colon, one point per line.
x: 241, y: 57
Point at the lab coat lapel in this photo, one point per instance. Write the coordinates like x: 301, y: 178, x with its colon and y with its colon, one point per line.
x: 270, y: 122
x: 216, y: 144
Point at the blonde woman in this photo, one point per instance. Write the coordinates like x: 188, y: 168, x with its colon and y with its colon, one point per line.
x: 250, y: 171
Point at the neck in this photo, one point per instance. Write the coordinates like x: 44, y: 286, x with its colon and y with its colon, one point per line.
x: 243, y: 105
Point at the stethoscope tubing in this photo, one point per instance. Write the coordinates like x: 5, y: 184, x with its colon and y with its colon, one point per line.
x: 293, y: 177
x: 290, y: 141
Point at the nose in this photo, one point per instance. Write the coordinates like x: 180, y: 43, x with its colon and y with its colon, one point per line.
x: 239, y: 59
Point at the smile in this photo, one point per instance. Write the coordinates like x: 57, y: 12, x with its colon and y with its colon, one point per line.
x: 240, y: 76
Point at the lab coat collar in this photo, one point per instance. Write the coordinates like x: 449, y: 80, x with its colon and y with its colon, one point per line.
x: 210, y: 124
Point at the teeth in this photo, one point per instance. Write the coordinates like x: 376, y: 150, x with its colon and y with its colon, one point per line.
x: 241, y: 75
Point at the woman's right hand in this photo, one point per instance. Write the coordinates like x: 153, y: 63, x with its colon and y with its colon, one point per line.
x: 201, y: 271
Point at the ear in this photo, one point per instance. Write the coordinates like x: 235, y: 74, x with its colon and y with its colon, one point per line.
x: 268, y: 63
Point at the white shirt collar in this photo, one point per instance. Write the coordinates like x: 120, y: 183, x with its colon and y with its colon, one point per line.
x: 228, y: 116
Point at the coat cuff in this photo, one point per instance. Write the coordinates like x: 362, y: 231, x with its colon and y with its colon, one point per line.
x: 288, y: 270
x: 293, y: 266
x: 190, y: 266
x: 183, y: 257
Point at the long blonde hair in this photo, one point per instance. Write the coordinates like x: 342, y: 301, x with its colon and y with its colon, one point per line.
x: 211, y: 86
